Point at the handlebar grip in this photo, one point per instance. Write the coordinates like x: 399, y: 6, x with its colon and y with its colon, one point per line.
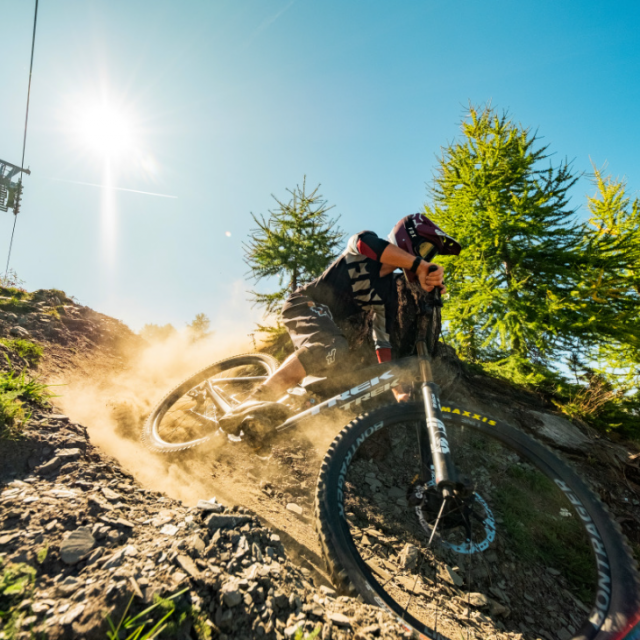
x: 434, y: 294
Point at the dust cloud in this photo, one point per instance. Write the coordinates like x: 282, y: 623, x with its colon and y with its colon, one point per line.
x: 114, y: 397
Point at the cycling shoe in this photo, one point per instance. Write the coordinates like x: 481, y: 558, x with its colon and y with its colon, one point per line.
x: 253, y: 411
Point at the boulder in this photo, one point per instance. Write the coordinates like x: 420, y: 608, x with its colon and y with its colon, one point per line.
x: 559, y: 431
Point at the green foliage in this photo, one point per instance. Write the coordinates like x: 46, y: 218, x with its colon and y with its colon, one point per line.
x: 15, y: 389
x: 295, y: 244
x: 17, y: 305
x: 518, y: 237
x: 528, y: 506
x: 610, y: 285
x: 26, y: 349
x: 157, y: 333
x: 16, y: 584
x: 42, y: 553
x: 300, y: 634
x: 133, y: 627
x: 199, y: 327
x: 533, y: 284
x: 275, y: 340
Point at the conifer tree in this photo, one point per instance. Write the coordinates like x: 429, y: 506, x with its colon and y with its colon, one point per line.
x: 518, y: 265
x: 609, y: 287
x: 157, y: 333
x: 295, y: 243
x: 199, y: 327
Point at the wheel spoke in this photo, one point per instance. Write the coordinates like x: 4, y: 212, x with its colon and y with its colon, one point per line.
x: 193, y: 416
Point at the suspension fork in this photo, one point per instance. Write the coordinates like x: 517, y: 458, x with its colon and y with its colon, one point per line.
x: 433, y: 443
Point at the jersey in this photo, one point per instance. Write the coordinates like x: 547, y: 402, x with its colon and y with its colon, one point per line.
x: 352, y: 284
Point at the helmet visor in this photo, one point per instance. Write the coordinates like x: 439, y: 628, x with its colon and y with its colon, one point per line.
x: 427, y: 251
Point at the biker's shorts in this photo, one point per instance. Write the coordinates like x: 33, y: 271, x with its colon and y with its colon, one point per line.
x: 318, y: 341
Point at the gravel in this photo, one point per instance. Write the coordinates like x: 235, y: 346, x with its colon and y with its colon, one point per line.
x: 108, y: 539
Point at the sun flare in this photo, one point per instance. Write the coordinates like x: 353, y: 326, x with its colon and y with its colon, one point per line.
x: 106, y: 129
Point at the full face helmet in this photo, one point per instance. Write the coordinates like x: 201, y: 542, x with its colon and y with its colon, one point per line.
x: 419, y: 236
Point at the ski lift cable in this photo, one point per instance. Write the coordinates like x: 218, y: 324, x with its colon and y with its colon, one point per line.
x: 26, y: 121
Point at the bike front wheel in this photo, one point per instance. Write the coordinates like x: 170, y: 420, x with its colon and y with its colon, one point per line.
x: 188, y: 415
x: 528, y: 549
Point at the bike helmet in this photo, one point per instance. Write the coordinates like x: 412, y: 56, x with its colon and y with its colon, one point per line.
x: 419, y: 236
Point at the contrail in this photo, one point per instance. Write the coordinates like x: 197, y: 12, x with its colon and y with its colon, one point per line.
x: 102, y: 186
x: 266, y: 23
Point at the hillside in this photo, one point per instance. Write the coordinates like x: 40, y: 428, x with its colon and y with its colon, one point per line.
x: 89, y: 519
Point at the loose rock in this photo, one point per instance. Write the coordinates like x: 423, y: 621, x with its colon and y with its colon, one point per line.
x: 77, y: 546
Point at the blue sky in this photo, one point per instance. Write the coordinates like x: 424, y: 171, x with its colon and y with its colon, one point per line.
x: 231, y: 101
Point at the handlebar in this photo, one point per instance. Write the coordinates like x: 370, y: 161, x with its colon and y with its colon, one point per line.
x: 432, y: 298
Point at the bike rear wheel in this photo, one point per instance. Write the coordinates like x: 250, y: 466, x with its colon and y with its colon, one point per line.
x: 188, y: 415
x: 531, y: 550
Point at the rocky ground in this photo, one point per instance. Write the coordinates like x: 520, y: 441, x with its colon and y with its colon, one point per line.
x: 82, y: 543
x: 93, y: 538
x: 80, y: 537
x: 70, y: 332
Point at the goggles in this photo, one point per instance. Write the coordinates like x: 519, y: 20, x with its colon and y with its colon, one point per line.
x: 427, y: 251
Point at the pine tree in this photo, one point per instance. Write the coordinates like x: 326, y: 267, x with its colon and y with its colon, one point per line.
x: 295, y: 244
x: 609, y: 287
x: 157, y: 333
x: 519, y: 236
x: 199, y: 327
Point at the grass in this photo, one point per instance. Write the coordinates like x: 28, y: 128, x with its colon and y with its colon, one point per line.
x: 530, y: 505
x: 16, y: 293
x: 42, y: 554
x: 165, y: 617
x: 26, y: 349
x: 15, y: 390
x: 16, y: 584
x: 310, y: 636
x: 16, y: 306
x: 133, y: 627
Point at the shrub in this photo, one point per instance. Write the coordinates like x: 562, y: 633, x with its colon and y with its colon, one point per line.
x: 16, y: 585
x: 15, y: 390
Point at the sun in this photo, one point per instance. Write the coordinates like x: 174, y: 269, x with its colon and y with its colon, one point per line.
x: 106, y: 129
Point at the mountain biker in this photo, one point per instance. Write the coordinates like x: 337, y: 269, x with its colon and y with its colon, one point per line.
x: 360, y: 279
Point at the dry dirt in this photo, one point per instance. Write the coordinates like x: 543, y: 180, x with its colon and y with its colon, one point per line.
x: 110, y: 385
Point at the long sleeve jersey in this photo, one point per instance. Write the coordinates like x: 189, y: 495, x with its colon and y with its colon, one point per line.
x: 352, y: 283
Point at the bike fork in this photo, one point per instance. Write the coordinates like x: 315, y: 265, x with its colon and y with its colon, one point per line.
x: 433, y: 439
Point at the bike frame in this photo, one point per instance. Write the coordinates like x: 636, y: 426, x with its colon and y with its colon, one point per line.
x: 432, y: 434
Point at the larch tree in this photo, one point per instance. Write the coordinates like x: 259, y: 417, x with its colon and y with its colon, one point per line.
x: 609, y: 287
x: 495, y: 192
x: 294, y: 244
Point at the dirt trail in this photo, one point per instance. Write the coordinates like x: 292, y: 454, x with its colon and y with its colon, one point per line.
x: 111, y: 379
x: 113, y: 397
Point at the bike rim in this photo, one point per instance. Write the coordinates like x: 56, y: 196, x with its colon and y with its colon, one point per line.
x: 192, y: 414
x: 531, y: 568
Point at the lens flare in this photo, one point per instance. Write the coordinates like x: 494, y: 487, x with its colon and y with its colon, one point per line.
x: 106, y: 129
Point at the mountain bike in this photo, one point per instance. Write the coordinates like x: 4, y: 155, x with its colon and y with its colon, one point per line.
x: 458, y: 524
